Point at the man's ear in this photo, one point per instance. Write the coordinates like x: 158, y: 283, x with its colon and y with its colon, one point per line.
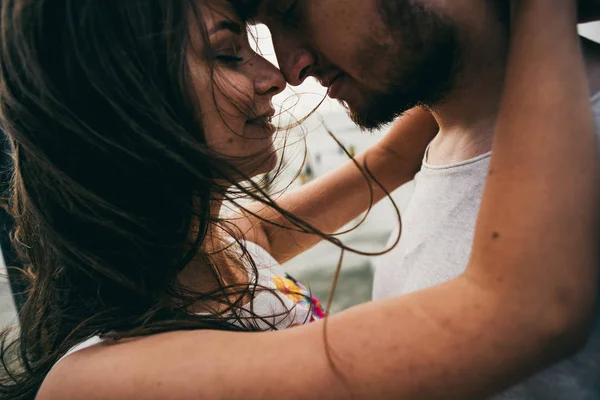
x: 589, y: 10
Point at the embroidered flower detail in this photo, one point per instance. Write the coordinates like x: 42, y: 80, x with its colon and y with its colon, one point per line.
x: 300, y: 295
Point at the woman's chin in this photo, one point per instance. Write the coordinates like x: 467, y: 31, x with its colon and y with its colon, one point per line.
x: 268, y: 164
x: 262, y: 164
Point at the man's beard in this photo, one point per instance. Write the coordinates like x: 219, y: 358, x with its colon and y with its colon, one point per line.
x: 420, y: 69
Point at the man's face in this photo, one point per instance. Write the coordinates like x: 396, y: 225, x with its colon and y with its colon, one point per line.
x: 378, y: 57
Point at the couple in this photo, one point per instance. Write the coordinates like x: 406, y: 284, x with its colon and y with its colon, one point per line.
x: 132, y: 122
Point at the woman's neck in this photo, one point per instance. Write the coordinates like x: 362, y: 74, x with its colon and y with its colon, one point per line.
x: 212, y: 268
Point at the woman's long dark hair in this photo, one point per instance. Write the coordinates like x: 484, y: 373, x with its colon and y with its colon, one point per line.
x: 112, y: 182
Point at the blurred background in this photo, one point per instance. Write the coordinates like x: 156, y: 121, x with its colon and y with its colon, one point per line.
x: 316, y: 267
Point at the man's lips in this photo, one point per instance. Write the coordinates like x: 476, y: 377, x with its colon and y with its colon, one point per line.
x: 335, y: 86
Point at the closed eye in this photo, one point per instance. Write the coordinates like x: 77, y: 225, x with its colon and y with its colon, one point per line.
x: 228, y: 59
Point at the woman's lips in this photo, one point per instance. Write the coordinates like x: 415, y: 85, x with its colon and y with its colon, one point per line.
x: 262, y: 122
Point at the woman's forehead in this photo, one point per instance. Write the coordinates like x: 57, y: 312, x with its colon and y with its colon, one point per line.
x: 214, y: 12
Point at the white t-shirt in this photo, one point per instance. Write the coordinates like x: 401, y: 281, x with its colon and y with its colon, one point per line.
x: 438, y: 227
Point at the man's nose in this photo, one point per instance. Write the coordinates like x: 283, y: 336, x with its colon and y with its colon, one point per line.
x: 295, y: 61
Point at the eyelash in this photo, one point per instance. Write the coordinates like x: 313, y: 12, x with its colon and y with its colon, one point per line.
x: 229, y: 60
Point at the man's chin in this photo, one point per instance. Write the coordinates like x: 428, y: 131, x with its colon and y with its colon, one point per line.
x: 376, y: 115
x: 366, y: 122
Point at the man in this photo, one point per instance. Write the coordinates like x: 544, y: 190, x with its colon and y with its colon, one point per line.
x: 384, y: 57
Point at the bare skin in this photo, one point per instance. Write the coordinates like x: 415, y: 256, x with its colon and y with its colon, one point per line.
x: 328, y: 203
x: 335, y: 199
x: 524, y: 301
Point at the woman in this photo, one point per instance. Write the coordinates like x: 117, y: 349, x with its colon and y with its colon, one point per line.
x: 117, y: 206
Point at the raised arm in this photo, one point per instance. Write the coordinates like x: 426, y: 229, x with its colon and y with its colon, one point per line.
x: 330, y: 202
x: 523, y: 302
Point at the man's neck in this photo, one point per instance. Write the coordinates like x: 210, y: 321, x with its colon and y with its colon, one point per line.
x: 467, y: 119
x: 468, y: 115
x: 466, y: 123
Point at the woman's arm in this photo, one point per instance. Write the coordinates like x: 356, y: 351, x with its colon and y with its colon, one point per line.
x: 523, y: 302
x: 330, y: 202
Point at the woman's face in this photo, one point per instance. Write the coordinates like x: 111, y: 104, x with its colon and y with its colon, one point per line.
x: 234, y: 97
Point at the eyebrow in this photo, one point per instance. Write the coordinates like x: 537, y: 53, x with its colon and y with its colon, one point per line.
x: 226, y: 25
